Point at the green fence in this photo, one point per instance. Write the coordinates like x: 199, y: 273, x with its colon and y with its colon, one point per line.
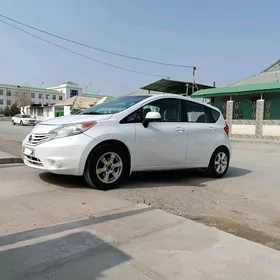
x: 222, y: 106
x: 272, y: 109
x: 244, y: 110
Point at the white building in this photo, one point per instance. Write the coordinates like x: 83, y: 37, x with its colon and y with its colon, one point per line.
x: 69, y: 89
x: 36, y: 97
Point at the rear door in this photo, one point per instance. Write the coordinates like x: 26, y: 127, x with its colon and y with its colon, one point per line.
x: 200, y: 133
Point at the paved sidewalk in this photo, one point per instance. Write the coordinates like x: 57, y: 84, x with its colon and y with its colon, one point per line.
x: 6, y: 158
x: 50, y: 230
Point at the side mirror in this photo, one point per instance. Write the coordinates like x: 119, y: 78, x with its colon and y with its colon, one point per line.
x: 151, y: 117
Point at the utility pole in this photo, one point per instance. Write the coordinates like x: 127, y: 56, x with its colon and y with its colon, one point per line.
x: 193, y: 82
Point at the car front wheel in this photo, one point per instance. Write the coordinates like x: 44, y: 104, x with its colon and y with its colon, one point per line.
x: 13, y: 122
x: 106, y: 167
x: 219, y: 163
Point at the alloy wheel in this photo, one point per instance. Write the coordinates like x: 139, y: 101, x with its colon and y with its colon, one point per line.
x: 109, y: 168
x: 221, y: 162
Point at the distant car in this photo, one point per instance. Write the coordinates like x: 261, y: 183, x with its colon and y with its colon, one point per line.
x: 22, y: 119
x: 2, y: 116
x: 108, y: 141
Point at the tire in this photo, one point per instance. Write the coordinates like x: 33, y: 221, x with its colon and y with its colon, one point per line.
x: 219, y: 163
x: 21, y: 123
x: 112, y: 176
x: 13, y: 123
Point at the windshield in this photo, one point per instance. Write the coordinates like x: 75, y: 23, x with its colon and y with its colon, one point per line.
x: 25, y: 116
x: 114, y: 106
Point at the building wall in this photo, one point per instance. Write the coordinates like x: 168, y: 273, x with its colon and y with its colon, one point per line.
x: 67, y: 89
x: 23, y: 96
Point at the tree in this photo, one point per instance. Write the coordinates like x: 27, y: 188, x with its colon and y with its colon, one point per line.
x: 15, y: 109
x: 22, y: 99
x: 7, y: 112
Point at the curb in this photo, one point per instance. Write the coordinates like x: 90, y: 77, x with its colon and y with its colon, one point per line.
x: 11, y: 160
x: 255, y: 141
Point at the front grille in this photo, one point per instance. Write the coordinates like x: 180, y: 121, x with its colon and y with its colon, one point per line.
x: 33, y: 160
x: 35, y: 138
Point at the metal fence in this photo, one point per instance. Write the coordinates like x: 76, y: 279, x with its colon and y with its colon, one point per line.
x: 222, y: 106
x: 272, y: 109
x: 244, y: 110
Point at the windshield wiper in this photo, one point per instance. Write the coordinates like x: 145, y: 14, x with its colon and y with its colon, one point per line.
x: 92, y: 113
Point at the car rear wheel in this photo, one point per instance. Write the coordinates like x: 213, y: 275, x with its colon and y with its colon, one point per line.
x: 219, y: 163
x: 106, y: 167
x: 13, y: 122
x: 21, y: 123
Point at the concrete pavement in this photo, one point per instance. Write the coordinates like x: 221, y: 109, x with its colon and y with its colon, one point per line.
x: 53, y: 229
x: 6, y: 158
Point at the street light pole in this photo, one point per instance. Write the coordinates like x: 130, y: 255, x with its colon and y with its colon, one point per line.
x: 41, y: 84
x: 88, y: 86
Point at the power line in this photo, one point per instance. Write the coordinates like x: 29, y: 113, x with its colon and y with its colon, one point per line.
x: 82, y: 55
x: 95, y: 48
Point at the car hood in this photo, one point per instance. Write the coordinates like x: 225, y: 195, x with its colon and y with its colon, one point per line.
x: 75, y: 119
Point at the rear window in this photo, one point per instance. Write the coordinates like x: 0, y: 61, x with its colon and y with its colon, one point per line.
x: 215, y: 114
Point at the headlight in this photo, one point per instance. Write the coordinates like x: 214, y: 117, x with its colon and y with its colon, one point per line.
x: 71, y: 129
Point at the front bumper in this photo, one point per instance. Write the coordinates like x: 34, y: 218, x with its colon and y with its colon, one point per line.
x: 61, y: 156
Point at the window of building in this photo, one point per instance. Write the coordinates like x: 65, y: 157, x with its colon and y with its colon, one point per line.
x: 1, y: 92
x: 40, y: 95
x: 9, y: 93
x: 47, y: 96
x: 9, y: 102
x: 73, y: 92
x: 60, y: 97
x: 54, y: 97
x: 32, y: 94
x: 40, y: 112
x: 1, y: 101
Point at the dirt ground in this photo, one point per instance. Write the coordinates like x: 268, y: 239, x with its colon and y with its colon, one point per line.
x: 245, y: 203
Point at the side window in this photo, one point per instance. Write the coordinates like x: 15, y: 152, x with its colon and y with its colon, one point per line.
x: 214, y: 114
x: 132, y: 118
x: 194, y: 112
x: 169, y: 108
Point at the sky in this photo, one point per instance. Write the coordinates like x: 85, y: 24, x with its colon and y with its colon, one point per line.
x: 226, y: 40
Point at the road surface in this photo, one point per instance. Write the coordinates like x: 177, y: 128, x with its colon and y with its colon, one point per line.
x: 245, y: 202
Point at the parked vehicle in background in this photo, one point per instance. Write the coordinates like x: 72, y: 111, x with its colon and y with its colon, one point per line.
x: 22, y: 119
x: 2, y: 116
x: 108, y: 141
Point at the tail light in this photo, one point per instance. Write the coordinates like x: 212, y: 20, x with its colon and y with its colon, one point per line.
x: 226, y: 129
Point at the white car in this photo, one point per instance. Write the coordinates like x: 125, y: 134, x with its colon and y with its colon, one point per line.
x: 107, y: 142
x: 23, y: 119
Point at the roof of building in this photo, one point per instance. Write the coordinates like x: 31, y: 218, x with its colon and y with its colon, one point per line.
x: 70, y: 83
x: 269, y: 75
x: 239, y: 90
x: 27, y: 88
x: 78, y: 102
x: 97, y: 95
x: 175, y: 87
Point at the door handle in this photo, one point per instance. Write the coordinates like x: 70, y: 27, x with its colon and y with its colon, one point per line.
x: 179, y: 129
x: 212, y: 129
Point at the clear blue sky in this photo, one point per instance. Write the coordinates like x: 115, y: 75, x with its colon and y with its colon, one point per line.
x: 226, y: 40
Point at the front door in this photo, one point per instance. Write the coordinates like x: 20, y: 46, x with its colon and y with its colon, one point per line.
x: 162, y: 144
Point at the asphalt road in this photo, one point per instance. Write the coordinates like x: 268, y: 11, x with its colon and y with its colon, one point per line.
x: 245, y: 202
x: 11, y: 137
